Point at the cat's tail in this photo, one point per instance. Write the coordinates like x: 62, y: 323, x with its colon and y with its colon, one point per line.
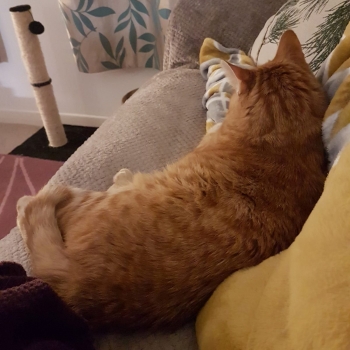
x: 38, y: 225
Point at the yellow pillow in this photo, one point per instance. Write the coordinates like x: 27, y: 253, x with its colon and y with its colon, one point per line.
x: 299, y: 299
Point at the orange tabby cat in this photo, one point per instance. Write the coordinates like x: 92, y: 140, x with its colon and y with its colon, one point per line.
x: 149, y: 252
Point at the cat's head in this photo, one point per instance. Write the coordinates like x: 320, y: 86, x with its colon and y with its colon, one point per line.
x: 284, y: 83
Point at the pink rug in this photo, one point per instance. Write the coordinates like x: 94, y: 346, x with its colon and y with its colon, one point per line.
x: 20, y: 176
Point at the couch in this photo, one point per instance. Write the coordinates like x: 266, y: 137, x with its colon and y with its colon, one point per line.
x: 161, y: 122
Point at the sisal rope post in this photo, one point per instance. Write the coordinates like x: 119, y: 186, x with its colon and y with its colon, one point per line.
x: 27, y: 30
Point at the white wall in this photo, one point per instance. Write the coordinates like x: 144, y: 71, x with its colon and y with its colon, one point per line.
x: 77, y: 93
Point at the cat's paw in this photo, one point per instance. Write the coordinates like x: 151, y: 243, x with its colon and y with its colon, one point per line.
x: 21, y: 216
x: 123, y: 177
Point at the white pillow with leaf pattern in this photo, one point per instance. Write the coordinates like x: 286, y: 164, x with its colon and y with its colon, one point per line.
x: 319, y: 25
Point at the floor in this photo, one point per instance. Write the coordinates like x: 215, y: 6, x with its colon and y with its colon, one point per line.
x: 37, y: 146
x: 12, y: 135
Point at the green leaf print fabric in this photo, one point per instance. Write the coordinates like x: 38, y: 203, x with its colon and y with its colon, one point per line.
x: 110, y: 34
x: 319, y: 25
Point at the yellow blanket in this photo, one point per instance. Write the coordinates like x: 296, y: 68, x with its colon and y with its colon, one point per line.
x: 299, y: 299
x: 335, y: 77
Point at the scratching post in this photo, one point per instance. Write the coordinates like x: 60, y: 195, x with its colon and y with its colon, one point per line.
x: 27, y: 30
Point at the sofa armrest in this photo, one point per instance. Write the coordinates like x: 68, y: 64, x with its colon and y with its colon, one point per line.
x: 233, y: 23
x: 161, y: 122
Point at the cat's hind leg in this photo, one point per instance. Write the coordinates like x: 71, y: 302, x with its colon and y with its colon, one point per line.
x: 36, y: 218
x: 21, y: 205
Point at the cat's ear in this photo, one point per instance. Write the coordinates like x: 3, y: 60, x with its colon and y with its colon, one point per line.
x: 239, y: 77
x: 290, y: 49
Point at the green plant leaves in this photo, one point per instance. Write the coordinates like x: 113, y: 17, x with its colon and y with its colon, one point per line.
x: 131, y: 23
x: 124, y: 14
x: 149, y: 63
x: 133, y: 36
x: 147, y: 48
x: 106, y: 45
x: 312, y: 6
x: 139, y: 18
x: 101, y: 12
x: 119, y: 47
x: 148, y: 37
x: 83, y: 62
x: 287, y: 20
x: 78, y: 23
x: 328, y: 34
x: 139, y: 6
x: 74, y: 42
x: 81, y: 65
x: 89, y: 4
x: 87, y: 22
x: 83, y: 19
x: 121, y: 26
x: 164, y: 13
x: 80, y: 6
x: 109, y: 65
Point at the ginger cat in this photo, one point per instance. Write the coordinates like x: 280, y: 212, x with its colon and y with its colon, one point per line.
x: 150, y: 251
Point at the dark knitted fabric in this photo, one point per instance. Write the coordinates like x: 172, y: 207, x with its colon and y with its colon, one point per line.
x: 33, y: 317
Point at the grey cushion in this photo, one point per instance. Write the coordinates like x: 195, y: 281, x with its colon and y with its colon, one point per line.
x: 233, y: 23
